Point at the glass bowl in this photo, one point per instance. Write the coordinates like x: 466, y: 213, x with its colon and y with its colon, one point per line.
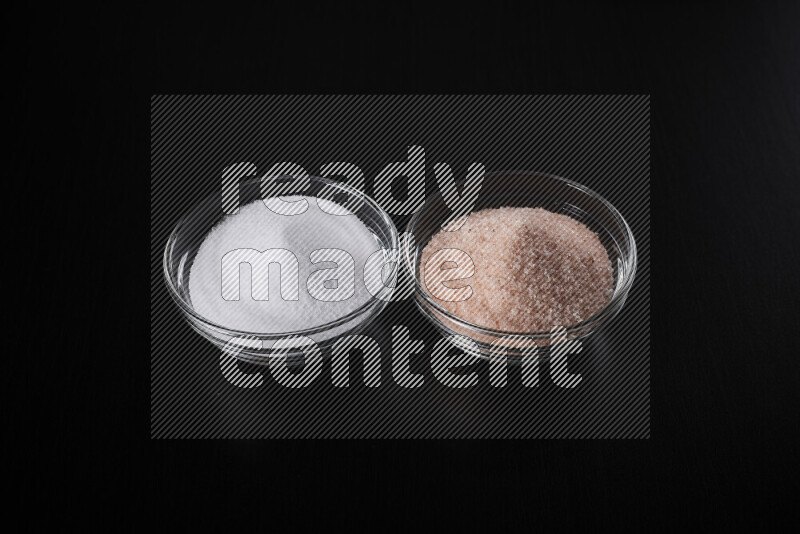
x: 535, y: 190
x: 259, y: 347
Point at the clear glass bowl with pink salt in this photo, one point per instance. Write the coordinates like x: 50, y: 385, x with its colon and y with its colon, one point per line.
x: 522, y: 189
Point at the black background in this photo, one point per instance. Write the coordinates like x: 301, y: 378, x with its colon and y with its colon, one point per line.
x: 725, y: 139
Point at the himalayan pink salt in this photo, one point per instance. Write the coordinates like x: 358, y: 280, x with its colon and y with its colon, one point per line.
x: 534, y: 270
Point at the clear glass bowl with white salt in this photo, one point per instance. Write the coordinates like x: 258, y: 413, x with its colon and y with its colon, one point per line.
x: 262, y: 327
x: 525, y: 189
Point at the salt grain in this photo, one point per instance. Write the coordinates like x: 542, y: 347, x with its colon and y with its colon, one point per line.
x: 534, y: 270
x: 257, y: 227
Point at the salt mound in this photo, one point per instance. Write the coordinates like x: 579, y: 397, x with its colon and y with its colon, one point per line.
x: 534, y: 270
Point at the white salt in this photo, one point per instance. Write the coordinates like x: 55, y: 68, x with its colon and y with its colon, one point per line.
x: 257, y: 227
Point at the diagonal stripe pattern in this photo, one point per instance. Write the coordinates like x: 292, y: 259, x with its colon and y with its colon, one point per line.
x: 202, y: 145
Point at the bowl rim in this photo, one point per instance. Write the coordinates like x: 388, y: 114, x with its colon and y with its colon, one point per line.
x: 374, y: 300
x: 613, y: 305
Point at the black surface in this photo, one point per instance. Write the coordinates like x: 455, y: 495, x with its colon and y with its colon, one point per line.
x: 726, y: 131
